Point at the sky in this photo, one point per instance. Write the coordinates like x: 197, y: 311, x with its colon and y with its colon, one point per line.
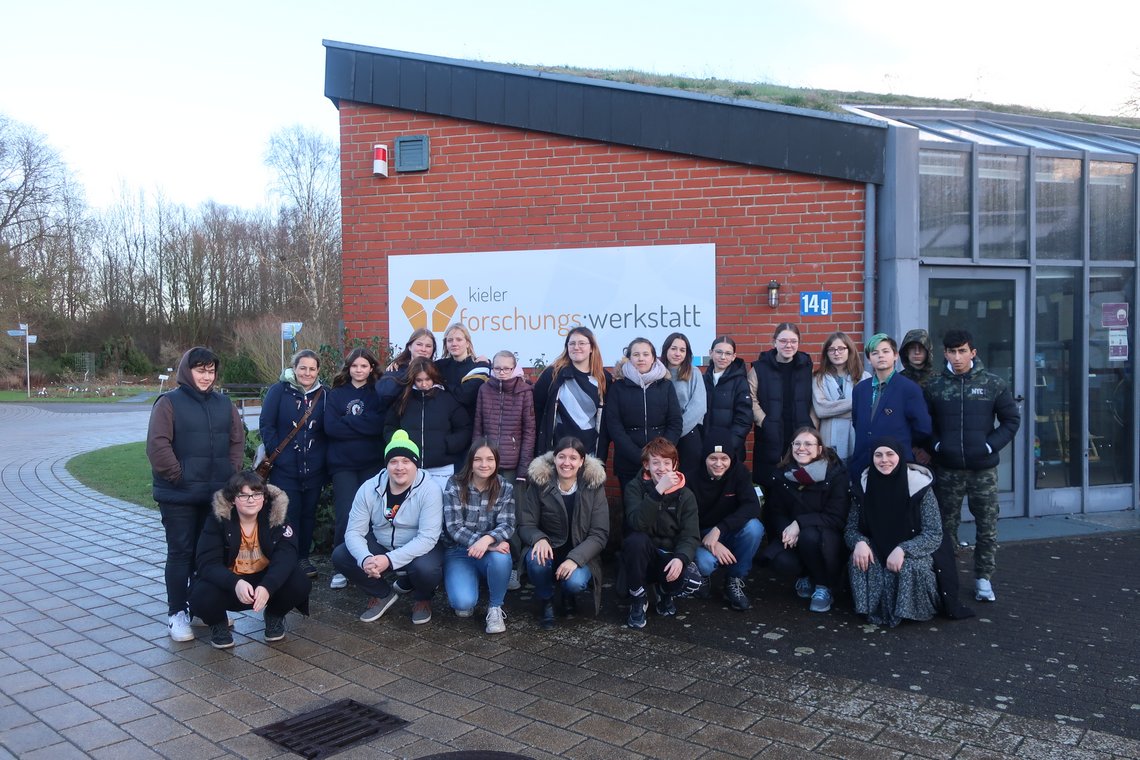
x: 180, y: 99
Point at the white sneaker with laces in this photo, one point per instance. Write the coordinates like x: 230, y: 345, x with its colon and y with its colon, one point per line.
x: 496, y: 620
x: 984, y: 591
x: 338, y: 581
x: 179, y: 624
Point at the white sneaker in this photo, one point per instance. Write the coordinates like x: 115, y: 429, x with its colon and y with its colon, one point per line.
x: 513, y: 583
x: 179, y: 624
x: 338, y: 581
x: 983, y: 591
x: 496, y: 620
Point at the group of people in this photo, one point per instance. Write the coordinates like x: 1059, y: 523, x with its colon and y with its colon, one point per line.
x: 458, y: 471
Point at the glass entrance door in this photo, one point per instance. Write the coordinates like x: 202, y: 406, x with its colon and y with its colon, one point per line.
x: 990, y: 304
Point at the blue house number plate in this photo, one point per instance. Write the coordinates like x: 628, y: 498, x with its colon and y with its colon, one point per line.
x: 815, y: 304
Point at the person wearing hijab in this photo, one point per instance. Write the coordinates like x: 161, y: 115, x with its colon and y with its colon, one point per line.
x: 729, y: 517
x: 893, y: 530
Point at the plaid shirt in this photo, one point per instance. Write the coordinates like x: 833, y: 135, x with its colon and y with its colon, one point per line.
x: 466, y: 524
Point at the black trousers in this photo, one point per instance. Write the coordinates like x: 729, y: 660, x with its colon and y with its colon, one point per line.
x: 424, y: 572
x: 645, y: 563
x: 210, y: 602
x: 818, y: 554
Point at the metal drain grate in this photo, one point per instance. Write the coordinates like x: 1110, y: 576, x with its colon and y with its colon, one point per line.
x: 330, y: 729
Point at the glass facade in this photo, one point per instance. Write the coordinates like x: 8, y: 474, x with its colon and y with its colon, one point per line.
x: 1058, y: 359
x: 1110, y: 364
x: 1057, y: 182
x: 944, y: 204
x: 1003, y: 227
x: 1112, y: 215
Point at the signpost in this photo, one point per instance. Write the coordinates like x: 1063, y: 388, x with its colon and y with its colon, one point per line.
x: 289, y: 331
x: 28, y: 340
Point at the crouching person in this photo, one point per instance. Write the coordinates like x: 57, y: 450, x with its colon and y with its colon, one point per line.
x: 247, y: 560
x: 394, y: 526
x: 662, y: 533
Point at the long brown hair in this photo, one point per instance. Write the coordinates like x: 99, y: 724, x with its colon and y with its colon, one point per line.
x: 854, y: 365
x: 685, y: 368
x: 343, y: 377
x: 597, y: 369
x: 418, y: 365
x: 466, y: 474
x: 405, y: 356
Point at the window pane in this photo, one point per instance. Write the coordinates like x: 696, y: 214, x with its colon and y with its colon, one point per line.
x: 1003, y: 229
x: 944, y: 204
x: 1112, y: 219
x: 1058, y: 364
x: 1110, y: 376
x: 1058, y: 208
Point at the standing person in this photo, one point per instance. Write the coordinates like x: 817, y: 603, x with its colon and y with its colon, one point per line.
x: 300, y: 469
x: 195, y: 441
x: 432, y: 418
x: 642, y: 406
x: 354, y: 426
x: 394, y: 526
x: 463, y: 372
x: 478, y: 522
x: 569, y: 396
x: 504, y: 414
x: 780, y: 382
x: 662, y: 534
x: 840, y: 370
x: 917, y: 354
x: 885, y: 404
x: 966, y: 402
x: 806, y: 516
x: 893, y: 530
x: 729, y: 397
x: 564, y: 525
x: 729, y: 517
x: 677, y: 356
x: 247, y: 560
x: 421, y: 344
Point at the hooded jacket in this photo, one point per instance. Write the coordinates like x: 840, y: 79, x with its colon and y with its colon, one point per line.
x: 302, y: 461
x: 729, y: 404
x: 923, y: 374
x: 672, y: 520
x: 504, y: 413
x: 195, y: 441
x: 543, y: 515
x: 411, y: 532
x: 221, y: 539
x: 963, y: 409
x: 436, y: 422
x: 463, y: 378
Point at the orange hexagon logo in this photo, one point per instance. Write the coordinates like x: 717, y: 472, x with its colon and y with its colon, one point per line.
x: 429, y: 298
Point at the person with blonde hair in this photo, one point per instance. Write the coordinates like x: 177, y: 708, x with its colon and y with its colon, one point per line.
x: 463, y: 372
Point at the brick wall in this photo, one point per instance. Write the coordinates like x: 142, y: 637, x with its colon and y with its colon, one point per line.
x: 494, y: 188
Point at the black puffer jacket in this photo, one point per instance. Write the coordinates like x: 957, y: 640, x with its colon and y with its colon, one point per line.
x: 730, y: 405
x: 635, y: 416
x: 963, y: 409
x: 436, y: 422
x: 823, y: 504
x: 462, y: 379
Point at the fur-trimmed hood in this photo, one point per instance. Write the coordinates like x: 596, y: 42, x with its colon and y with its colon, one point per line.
x: 278, y: 505
x: 917, y: 477
x: 541, y: 471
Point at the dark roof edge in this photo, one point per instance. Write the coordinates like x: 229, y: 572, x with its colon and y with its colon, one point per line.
x: 843, y: 146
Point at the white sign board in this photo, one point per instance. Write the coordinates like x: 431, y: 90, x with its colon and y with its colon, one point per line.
x: 527, y: 301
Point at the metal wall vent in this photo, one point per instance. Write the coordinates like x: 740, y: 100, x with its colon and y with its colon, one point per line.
x: 412, y: 154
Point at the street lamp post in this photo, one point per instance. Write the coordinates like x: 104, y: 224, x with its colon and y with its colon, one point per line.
x: 22, y: 331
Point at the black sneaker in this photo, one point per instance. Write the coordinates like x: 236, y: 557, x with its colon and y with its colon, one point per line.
x: 220, y: 636
x: 734, y: 594
x: 665, y: 605
x: 637, y: 607
x: 307, y: 568
x: 274, y: 627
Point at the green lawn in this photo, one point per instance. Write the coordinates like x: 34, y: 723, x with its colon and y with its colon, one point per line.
x: 120, y: 471
x: 89, y: 397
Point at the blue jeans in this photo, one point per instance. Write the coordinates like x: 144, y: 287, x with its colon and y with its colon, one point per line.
x: 461, y: 575
x: 743, y: 544
x: 542, y: 576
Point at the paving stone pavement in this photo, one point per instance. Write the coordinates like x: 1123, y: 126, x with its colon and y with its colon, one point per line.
x: 87, y: 669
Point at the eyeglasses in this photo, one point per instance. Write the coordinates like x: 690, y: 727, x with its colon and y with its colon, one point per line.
x: 837, y: 350
x: 503, y: 369
x: 804, y: 444
x: 578, y: 344
x: 789, y: 341
x: 724, y: 353
x: 249, y: 496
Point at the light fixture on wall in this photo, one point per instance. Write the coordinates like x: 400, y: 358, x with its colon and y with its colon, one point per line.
x: 773, y: 294
x: 380, y: 160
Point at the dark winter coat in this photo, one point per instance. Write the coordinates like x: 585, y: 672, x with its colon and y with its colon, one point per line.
x: 727, y: 504
x: 302, y: 461
x: 963, y: 409
x: 221, y: 539
x: 463, y: 379
x: 436, y: 422
x: 550, y: 430
x: 824, y: 505
x: 672, y: 521
x: 543, y: 515
x: 390, y: 386
x: 354, y: 426
x: 195, y: 441
x: 901, y: 415
x: 636, y: 415
x: 769, y: 445
x: 504, y: 413
x: 730, y: 405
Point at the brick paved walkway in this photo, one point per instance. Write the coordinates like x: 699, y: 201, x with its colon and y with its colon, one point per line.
x: 87, y: 668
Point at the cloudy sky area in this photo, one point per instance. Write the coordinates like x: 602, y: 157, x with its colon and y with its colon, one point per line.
x: 182, y: 98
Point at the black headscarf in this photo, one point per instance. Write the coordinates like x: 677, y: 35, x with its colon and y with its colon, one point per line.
x: 889, y: 517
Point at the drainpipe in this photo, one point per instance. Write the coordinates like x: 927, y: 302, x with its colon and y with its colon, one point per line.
x: 869, y: 194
